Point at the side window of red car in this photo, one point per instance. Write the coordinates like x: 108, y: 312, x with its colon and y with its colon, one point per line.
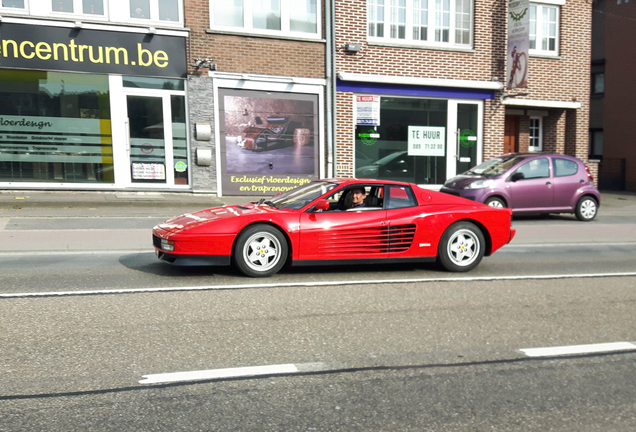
x: 399, y: 197
x: 564, y: 167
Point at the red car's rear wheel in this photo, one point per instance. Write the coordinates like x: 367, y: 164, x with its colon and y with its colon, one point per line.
x: 260, y: 251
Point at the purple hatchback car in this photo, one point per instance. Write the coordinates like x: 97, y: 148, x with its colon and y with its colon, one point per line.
x: 530, y: 183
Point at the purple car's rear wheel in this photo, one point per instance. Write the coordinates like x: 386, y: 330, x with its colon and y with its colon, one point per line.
x: 461, y: 247
x: 260, y: 251
x: 586, y: 209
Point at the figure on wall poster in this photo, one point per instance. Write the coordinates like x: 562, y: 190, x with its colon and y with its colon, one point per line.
x: 268, y: 141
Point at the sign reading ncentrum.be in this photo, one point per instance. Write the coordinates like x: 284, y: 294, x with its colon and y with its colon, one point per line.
x: 82, y: 50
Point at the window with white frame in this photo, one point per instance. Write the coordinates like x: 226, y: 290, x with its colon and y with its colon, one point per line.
x: 14, y: 6
x: 444, y: 23
x: 544, y: 29
x: 277, y: 17
x: 168, y: 13
x: 536, y: 134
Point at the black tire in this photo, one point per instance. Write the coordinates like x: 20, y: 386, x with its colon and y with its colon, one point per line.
x: 586, y: 209
x: 461, y: 247
x: 265, y: 261
x: 495, y: 202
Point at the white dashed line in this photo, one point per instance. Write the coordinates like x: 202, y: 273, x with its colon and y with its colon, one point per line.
x: 249, y: 371
x: 313, y: 284
x: 578, y: 349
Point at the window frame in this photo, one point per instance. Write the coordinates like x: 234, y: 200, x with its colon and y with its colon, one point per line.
x: 593, y: 144
x: 77, y: 6
x: 112, y: 13
x: 435, y: 25
x: 539, y: 24
x: 535, y: 148
x: 13, y: 10
x: 285, y: 21
x: 594, y: 89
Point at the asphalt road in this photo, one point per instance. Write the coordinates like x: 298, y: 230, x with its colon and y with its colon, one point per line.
x: 91, y: 338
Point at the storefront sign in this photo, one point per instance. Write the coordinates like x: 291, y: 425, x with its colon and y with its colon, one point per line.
x: 269, y: 142
x: 148, y: 171
x: 518, y: 43
x: 367, y: 110
x: 467, y: 138
x: 98, y: 51
x: 426, y: 141
x: 54, y: 139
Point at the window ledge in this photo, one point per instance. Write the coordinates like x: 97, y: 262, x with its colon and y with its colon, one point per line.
x: 95, y: 24
x: 545, y: 56
x: 266, y: 36
x: 419, y: 46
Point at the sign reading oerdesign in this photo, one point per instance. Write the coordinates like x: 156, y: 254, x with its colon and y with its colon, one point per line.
x: 54, y: 48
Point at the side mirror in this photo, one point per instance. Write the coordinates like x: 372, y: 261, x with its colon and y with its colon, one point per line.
x: 517, y: 176
x: 322, y: 205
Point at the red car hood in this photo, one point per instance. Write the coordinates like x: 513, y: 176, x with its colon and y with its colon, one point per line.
x: 190, y: 220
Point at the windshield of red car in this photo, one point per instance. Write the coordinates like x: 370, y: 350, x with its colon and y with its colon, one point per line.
x: 301, y: 196
x: 495, y: 166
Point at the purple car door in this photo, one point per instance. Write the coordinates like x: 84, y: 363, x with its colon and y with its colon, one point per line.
x: 530, y: 186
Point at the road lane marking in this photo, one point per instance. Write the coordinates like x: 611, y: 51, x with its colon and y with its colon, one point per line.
x: 313, y: 284
x: 578, y: 349
x: 249, y: 371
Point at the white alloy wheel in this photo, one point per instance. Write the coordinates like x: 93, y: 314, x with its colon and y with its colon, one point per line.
x: 586, y: 209
x: 461, y: 247
x: 260, y: 251
x: 495, y: 202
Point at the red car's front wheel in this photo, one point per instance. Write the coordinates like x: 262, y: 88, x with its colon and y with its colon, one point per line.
x: 260, y: 251
x: 461, y: 248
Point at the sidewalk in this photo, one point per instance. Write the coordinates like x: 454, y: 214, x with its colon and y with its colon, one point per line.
x: 75, y: 204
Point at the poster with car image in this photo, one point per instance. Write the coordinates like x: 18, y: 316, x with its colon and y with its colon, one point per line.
x: 269, y: 141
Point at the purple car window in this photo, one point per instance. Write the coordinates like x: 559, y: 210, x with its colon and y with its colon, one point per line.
x: 536, y: 168
x: 564, y: 167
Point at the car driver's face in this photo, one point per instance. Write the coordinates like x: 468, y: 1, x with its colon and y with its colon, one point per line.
x: 358, y: 196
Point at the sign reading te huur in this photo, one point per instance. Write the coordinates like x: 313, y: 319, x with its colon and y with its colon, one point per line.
x: 82, y: 50
x: 427, y: 141
x: 367, y: 110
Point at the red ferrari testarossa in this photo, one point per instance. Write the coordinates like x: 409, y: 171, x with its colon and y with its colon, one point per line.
x: 322, y: 222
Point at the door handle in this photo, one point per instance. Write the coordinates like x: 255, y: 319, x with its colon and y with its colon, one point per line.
x: 457, y: 144
x: 127, y: 126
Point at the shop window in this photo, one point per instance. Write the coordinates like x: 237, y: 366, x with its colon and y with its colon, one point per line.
x: 55, y: 127
x: 544, y: 29
x: 536, y: 134
x: 14, y: 5
x: 382, y: 152
x: 421, y: 22
x: 598, y: 83
x: 146, y: 12
x: 292, y: 17
x: 596, y: 144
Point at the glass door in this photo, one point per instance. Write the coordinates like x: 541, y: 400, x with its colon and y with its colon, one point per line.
x: 150, y: 145
x: 464, y: 144
x: 146, y: 144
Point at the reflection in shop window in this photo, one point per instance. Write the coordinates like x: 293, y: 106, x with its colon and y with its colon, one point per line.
x: 140, y: 9
x: 93, y: 7
x: 55, y: 127
x: 18, y: 4
x: 382, y: 151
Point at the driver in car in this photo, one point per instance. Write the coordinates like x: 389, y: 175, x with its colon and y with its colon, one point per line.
x: 357, y: 197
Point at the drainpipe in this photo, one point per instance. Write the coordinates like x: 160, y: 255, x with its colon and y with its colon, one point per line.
x: 330, y: 66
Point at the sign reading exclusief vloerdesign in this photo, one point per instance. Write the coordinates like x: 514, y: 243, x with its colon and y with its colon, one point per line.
x: 82, y: 50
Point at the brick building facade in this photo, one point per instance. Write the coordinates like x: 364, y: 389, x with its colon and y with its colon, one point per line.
x: 259, y: 86
x: 411, y: 65
x: 613, y: 91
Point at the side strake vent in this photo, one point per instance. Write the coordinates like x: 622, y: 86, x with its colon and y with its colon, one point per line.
x: 367, y: 241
